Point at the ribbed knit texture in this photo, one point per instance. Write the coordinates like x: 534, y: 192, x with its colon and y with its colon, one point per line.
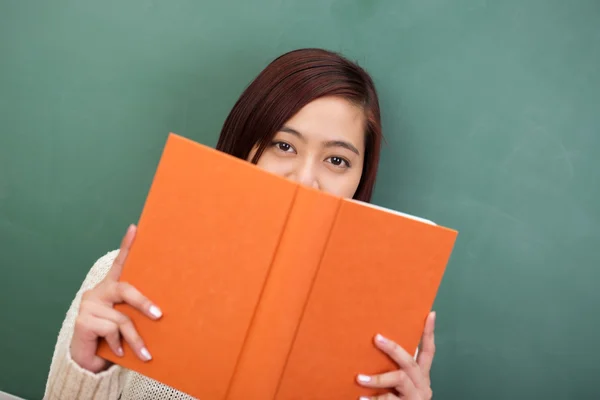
x: 67, y: 380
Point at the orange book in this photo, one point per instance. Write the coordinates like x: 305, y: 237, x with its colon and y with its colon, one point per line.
x: 270, y: 289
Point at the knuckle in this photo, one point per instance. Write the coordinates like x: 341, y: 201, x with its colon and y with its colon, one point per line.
x: 401, y: 378
x: 114, y: 329
x: 80, y: 323
x: 123, y: 319
x: 377, y: 380
x: 85, y: 304
x: 87, y: 295
x: 146, y: 304
x: 126, y: 291
x: 134, y: 338
x: 394, y: 349
x: 131, y: 295
x: 413, y: 363
x: 125, y: 288
x: 137, y: 342
x: 122, y: 287
x: 111, y: 330
x: 397, y: 350
x: 106, y: 290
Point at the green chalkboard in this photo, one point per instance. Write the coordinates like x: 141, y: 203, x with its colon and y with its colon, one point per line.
x: 491, y: 112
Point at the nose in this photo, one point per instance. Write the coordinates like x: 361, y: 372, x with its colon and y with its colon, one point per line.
x: 306, y: 173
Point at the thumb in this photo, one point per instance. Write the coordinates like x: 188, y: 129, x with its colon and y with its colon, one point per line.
x: 126, y: 242
x: 427, y: 351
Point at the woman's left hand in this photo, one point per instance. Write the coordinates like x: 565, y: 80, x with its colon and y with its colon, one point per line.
x: 411, y: 381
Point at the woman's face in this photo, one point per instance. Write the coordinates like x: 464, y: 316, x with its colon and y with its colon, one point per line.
x: 322, y: 146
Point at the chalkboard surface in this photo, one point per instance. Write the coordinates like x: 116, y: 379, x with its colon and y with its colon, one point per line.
x: 491, y: 113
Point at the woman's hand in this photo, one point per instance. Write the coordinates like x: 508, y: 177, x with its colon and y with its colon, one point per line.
x: 98, y: 319
x: 411, y: 381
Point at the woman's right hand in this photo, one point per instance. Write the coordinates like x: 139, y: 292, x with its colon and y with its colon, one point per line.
x: 98, y: 319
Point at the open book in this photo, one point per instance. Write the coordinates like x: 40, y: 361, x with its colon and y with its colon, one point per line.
x: 269, y: 289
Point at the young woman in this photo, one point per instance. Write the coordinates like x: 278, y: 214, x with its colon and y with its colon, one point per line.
x: 311, y: 116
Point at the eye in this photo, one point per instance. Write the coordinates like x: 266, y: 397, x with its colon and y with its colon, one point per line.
x: 283, y: 146
x: 339, y: 162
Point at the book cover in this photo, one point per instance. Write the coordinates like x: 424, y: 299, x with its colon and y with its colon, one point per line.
x: 269, y: 289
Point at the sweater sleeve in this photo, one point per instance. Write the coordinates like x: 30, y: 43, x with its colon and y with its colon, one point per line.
x: 66, y: 379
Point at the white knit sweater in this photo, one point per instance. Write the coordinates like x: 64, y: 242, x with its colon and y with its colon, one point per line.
x: 67, y: 380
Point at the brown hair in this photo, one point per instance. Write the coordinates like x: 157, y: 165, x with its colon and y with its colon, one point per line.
x: 287, y: 84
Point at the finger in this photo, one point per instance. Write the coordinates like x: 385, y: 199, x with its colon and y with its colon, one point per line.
x: 106, y: 329
x: 112, y: 337
x: 113, y: 315
x: 387, y: 396
x: 427, y: 352
x: 123, y: 292
x: 106, y: 312
x: 394, y: 379
x: 122, y: 324
x: 133, y: 338
x: 404, y: 360
x: 126, y: 242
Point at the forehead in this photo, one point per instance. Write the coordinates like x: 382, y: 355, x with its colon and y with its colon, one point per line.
x: 330, y: 118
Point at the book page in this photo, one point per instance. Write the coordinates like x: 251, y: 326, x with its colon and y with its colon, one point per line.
x: 389, y: 210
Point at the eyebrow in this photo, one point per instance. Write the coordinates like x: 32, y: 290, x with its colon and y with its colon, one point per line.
x: 330, y: 143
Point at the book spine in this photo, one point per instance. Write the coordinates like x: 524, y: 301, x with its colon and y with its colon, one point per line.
x: 287, y: 287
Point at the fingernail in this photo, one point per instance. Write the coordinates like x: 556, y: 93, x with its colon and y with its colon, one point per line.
x: 120, y: 352
x: 381, y: 339
x: 364, y: 378
x: 146, y: 354
x: 155, y: 311
x: 364, y: 398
